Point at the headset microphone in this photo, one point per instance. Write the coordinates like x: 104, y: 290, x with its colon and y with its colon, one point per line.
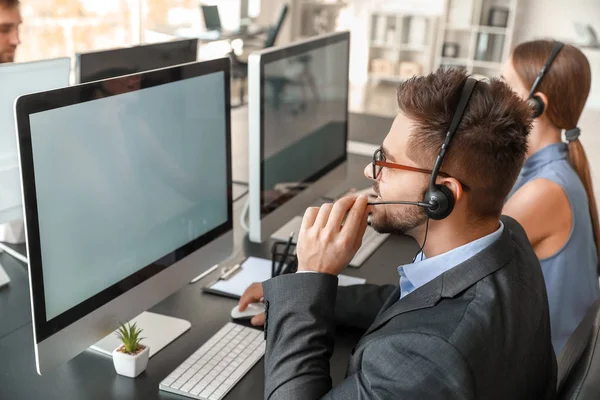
x: 410, y: 203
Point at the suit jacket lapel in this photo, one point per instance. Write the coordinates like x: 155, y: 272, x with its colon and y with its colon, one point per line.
x: 424, y: 297
x: 450, y: 283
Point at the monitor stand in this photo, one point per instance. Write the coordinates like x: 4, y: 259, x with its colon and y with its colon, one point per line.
x: 158, y: 331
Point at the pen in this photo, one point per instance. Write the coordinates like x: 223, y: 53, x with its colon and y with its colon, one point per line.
x: 205, y: 273
x: 229, y: 272
x: 285, y: 253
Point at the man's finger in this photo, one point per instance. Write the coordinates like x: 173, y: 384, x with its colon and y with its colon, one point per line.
x: 338, y: 212
x: 258, y: 320
x: 253, y: 294
x: 356, y: 216
x: 310, y: 215
x: 362, y: 229
x: 323, y: 215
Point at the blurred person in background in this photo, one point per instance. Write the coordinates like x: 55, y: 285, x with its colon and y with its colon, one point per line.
x: 10, y: 20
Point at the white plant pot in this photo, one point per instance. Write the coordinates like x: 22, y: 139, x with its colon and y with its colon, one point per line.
x: 128, y: 365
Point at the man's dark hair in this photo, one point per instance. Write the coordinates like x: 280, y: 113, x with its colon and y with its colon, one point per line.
x: 9, y: 3
x: 490, y: 145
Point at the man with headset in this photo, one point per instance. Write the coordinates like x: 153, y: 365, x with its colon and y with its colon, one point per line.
x: 469, y: 318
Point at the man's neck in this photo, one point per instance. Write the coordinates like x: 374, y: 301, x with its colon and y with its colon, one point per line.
x: 444, y: 236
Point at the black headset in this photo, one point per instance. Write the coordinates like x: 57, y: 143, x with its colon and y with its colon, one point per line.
x: 438, y: 201
x: 537, y: 104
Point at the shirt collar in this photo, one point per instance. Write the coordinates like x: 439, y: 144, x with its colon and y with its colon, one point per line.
x: 423, y: 271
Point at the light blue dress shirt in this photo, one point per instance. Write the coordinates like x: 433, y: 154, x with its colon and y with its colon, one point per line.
x: 417, y: 274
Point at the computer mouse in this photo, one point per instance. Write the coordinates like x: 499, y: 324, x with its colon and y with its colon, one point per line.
x: 252, y: 310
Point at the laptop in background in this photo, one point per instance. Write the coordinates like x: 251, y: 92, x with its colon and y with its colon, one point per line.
x: 212, y: 19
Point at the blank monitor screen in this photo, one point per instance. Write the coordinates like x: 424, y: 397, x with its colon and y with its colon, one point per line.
x: 112, y: 63
x: 17, y: 79
x: 305, y: 116
x: 212, y: 19
x: 122, y: 180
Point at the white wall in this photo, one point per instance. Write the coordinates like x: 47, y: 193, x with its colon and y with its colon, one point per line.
x: 539, y: 19
x: 543, y: 19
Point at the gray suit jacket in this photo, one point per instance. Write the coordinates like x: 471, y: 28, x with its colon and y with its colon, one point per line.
x: 479, y: 331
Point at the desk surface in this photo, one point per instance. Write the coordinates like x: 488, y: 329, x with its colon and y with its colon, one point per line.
x: 368, y: 128
x: 244, y: 32
x: 91, y: 375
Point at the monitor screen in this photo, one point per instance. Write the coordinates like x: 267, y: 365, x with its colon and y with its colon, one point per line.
x: 18, y: 79
x: 304, y: 116
x: 112, y: 63
x: 212, y: 19
x: 122, y: 178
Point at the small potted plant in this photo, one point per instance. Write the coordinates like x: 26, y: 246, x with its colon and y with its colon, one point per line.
x: 130, y: 358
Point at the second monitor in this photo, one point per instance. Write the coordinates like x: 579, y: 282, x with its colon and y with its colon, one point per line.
x: 298, y: 124
x: 107, y: 64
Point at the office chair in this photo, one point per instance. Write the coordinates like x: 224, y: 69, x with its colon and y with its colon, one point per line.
x: 239, y: 68
x: 579, y: 360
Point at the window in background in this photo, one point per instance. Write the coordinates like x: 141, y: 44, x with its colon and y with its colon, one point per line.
x: 165, y: 17
x: 162, y: 18
x: 253, y: 8
x: 58, y: 28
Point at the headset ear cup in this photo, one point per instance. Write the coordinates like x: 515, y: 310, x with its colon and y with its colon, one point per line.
x: 444, y: 198
x: 537, y: 105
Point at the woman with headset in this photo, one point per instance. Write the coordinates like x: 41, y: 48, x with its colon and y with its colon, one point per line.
x: 553, y: 198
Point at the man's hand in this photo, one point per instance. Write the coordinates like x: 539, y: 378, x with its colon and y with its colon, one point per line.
x: 324, y: 245
x: 253, y: 294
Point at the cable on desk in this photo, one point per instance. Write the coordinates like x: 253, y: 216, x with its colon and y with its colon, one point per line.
x: 243, y: 222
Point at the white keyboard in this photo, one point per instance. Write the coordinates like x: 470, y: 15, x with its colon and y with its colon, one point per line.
x: 214, y: 368
x: 371, y: 241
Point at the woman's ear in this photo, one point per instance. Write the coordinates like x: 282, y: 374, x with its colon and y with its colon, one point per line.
x: 544, y: 99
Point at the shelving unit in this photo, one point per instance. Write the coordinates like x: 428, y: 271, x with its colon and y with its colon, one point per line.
x: 397, y: 39
x: 482, y: 47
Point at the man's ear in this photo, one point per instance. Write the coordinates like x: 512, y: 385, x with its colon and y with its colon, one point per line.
x: 455, y: 187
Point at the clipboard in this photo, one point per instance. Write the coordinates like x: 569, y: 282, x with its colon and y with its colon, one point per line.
x: 256, y: 269
x: 253, y: 269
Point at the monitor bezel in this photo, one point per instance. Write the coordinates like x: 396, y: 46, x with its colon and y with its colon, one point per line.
x: 44, y: 101
x: 78, y: 56
x: 295, y: 49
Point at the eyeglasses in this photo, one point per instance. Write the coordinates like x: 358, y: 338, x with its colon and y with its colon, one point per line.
x: 379, y: 161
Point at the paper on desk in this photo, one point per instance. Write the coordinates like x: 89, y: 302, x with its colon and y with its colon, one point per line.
x: 256, y: 269
x: 345, y: 280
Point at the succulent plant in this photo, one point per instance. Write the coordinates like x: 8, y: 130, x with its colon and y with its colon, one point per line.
x: 129, y: 335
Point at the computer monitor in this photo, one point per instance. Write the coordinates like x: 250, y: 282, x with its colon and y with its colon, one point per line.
x: 212, y: 19
x: 106, y: 64
x: 298, y: 124
x: 18, y: 79
x: 127, y: 195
